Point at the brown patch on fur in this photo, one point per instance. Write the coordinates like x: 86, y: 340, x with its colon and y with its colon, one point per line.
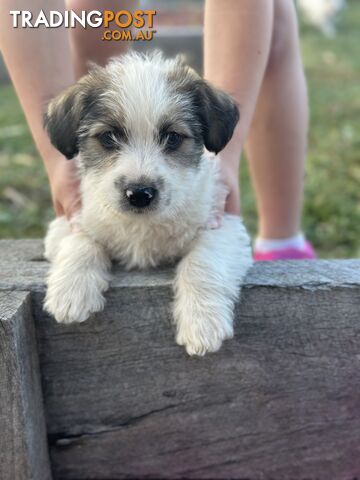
x: 216, y: 111
x: 66, y: 112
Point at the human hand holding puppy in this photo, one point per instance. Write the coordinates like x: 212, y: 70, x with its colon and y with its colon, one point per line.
x: 65, y: 187
x: 148, y: 189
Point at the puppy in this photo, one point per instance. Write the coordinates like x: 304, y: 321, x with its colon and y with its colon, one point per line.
x: 144, y: 128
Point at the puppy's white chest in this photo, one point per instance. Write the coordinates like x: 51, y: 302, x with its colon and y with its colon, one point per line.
x: 154, y: 251
x: 142, y: 244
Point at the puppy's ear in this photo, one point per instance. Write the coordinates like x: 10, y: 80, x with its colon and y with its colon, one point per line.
x: 218, y: 115
x: 62, y: 120
x: 66, y: 111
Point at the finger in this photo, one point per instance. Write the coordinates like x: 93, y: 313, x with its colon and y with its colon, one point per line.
x: 232, y: 204
x: 59, y: 210
x: 214, y: 223
x: 73, y: 208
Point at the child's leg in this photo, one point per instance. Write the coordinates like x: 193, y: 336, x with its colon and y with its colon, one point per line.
x: 236, y: 50
x: 255, y: 56
x: 38, y: 60
x: 276, y: 145
x: 86, y: 45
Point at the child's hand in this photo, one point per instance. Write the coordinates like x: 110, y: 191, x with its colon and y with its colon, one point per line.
x: 65, y: 188
x: 229, y: 176
x: 230, y: 201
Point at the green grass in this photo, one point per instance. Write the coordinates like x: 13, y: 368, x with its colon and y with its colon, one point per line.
x: 332, y: 197
x: 25, y: 205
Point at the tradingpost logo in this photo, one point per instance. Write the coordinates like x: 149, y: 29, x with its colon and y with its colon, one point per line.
x: 116, y: 25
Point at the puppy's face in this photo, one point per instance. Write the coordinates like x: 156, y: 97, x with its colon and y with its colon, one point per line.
x: 140, y: 126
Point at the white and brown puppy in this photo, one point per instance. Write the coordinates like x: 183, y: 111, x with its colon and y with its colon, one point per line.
x: 143, y: 128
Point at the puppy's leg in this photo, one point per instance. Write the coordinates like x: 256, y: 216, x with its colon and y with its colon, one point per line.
x: 207, y: 285
x: 80, y: 272
x: 57, y: 230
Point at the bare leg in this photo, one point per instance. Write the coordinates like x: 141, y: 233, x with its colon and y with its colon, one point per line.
x: 260, y: 65
x: 86, y: 44
x: 235, y: 60
x: 276, y: 144
x: 39, y: 64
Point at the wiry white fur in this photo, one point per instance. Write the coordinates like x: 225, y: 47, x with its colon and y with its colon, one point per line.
x: 213, y: 263
x: 78, y: 276
x: 149, y: 240
x: 322, y: 13
x: 207, y: 284
x: 57, y: 230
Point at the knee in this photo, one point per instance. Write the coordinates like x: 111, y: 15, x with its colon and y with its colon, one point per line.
x: 284, y: 42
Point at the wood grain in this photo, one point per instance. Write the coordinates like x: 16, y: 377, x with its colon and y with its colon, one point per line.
x: 281, y: 401
x: 23, y: 443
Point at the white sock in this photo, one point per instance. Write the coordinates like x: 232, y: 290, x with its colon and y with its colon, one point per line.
x: 267, y: 244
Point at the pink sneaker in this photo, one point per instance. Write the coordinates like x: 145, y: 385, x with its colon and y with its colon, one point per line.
x: 307, y: 253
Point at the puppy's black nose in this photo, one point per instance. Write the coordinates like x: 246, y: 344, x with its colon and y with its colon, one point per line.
x: 140, y: 196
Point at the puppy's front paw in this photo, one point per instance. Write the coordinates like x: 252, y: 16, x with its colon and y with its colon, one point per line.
x: 75, y: 301
x: 202, y: 335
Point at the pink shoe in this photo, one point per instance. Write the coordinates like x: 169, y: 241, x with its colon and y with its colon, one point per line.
x: 307, y: 253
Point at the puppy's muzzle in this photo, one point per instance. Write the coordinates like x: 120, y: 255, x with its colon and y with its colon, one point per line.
x: 140, y: 196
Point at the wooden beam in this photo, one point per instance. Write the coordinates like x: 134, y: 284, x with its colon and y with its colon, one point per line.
x: 23, y: 441
x: 279, y: 401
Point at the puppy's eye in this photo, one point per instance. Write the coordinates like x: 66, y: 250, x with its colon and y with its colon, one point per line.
x: 173, y: 140
x: 107, y: 140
